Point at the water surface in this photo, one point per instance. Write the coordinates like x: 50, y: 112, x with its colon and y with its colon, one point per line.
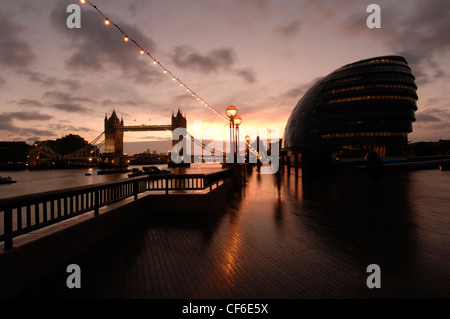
x: 313, y: 237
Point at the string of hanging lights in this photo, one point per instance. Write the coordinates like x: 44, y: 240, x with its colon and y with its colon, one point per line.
x: 155, y: 62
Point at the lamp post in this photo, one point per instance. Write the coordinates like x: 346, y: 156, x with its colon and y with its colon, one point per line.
x: 247, y: 149
x: 231, y: 112
x: 237, y: 120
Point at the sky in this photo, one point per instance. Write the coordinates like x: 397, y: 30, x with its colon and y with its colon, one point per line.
x: 259, y: 55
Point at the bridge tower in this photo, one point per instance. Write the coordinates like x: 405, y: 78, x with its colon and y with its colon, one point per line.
x: 113, y: 156
x: 113, y: 135
x: 179, y: 121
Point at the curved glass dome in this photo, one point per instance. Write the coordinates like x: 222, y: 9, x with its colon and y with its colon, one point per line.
x: 367, y: 105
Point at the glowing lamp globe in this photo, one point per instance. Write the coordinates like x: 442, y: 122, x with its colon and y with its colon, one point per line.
x: 231, y: 111
x: 237, y: 120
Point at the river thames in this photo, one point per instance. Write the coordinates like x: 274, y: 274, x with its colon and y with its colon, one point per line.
x: 36, y: 181
x: 312, y: 237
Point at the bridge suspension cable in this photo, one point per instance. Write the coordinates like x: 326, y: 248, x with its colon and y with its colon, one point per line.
x: 88, y: 149
x: 95, y: 140
x: 204, y: 146
x: 143, y: 51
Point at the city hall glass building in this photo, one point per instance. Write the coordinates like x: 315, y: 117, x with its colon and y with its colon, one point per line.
x: 364, y: 106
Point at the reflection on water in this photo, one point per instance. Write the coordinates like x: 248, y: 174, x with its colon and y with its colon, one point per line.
x: 344, y: 220
x: 347, y: 210
x: 312, y: 237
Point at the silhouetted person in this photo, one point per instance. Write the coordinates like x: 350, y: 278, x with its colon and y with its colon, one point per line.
x: 278, y: 180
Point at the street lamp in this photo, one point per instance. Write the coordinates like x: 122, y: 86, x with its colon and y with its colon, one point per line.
x: 247, y: 149
x: 237, y: 120
x: 231, y: 112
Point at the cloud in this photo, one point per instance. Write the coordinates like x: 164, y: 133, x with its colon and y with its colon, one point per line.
x: 30, y: 102
x: 15, y: 51
x: 28, y: 133
x: 183, y: 99
x: 72, y: 85
x: 420, y: 33
x: 111, y: 103
x: 217, y: 60
x: 136, y: 7
x: 421, y: 117
x: 290, y: 29
x: 63, y: 102
x: 50, y: 81
x: 433, y: 115
x: 285, y: 101
x: 97, y: 47
x: 293, y: 95
x: 247, y: 74
x: 68, y: 107
x: 186, y: 57
x: 66, y: 102
x: 2, y: 82
x: 28, y: 116
x: 69, y: 128
x: 429, y: 25
x: 7, y: 119
x: 323, y: 13
x: 67, y: 98
x: 433, y: 123
x: 40, y: 78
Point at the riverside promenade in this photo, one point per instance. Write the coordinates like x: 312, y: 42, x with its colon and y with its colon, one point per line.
x: 311, y: 238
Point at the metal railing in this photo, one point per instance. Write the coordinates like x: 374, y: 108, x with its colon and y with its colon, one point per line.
x: 23, y: 214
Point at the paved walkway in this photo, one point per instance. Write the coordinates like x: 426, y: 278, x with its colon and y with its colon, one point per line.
x: 310, y: 239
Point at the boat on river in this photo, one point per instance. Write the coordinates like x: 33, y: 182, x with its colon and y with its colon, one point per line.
x: 148, y: 170
x: 7, y: 180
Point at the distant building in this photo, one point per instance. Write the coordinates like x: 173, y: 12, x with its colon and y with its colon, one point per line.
x: 442, y: 147
x: 13, y: 155
x: 364, y: 106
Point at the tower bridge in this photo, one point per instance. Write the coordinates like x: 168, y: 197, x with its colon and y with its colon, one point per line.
x: 114, y: 132
x: 113, y: 156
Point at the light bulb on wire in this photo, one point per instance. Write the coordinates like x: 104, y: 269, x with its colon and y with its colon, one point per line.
x: 155, y: 62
